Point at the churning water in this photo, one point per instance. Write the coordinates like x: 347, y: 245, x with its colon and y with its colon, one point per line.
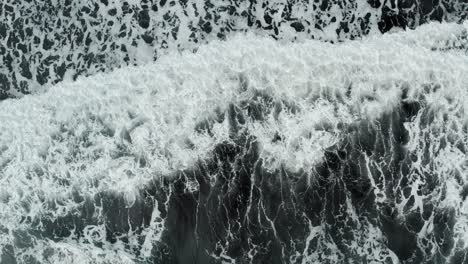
x: 244, y: 148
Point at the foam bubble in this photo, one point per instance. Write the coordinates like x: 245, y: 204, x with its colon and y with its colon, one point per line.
x: 118, y: 131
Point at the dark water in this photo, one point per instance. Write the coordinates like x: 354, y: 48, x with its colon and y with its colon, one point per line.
x: 390, y: 189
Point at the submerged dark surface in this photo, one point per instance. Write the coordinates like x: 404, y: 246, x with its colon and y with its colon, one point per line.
x: 241, y: 211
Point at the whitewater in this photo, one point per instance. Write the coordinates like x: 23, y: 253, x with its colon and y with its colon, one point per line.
x: 79, y: 162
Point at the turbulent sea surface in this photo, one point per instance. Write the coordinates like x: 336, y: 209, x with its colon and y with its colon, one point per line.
x: 43, y: 42
x: 233, y: 132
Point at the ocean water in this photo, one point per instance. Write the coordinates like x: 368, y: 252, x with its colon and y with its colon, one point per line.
x: 281, y: 144
x: 43, y: 42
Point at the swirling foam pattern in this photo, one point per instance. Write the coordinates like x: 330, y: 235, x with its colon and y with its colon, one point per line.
x: 43, y: 42
x: 250, y: 150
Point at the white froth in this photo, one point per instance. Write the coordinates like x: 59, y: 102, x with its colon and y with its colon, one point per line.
x: 75, y: 136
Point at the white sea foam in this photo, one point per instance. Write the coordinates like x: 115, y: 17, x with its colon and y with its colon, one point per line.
x: 91, y: 135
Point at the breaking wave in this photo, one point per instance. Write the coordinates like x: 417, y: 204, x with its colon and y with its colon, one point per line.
x: 250, y: 150
x: 46, y: 41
